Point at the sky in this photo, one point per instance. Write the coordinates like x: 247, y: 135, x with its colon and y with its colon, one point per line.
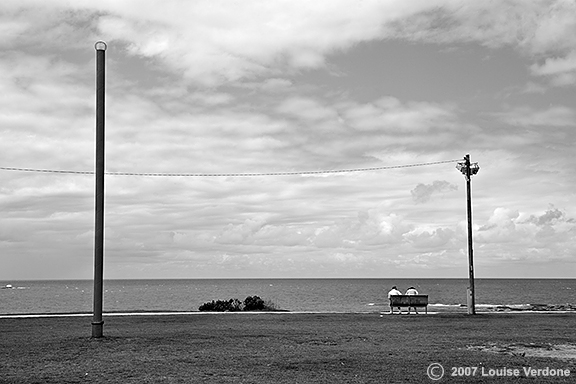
x: 398, y: 91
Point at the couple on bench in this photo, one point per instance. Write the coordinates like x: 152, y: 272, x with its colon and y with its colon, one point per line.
x: 411, y: 300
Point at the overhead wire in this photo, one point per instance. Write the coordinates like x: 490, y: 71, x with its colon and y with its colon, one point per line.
x: 230, y: 174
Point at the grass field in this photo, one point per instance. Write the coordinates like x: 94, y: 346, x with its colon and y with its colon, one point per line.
x: 283, y: 348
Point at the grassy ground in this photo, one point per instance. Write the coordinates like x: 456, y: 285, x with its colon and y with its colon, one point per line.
x: 275, y: 348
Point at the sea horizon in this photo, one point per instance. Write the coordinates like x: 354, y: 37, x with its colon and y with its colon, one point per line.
x: 292, y: 294
x: 293, y: 278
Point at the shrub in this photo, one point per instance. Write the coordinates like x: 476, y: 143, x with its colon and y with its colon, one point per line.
x: 251, y: 303
x: 232, y: 305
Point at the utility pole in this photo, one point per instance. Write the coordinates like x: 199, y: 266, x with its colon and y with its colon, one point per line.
x: 468, y: 170
x: 97, y: 322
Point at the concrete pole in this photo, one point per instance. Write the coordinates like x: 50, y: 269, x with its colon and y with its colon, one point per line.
x: 471, y: 301
x: 97, y: 322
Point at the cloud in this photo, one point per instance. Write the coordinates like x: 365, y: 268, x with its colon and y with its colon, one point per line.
x: 551, y: 216
x: 47, y: 122
x: 258, y: 231
x: 307, y: 109
x: 536, y: 27
x: 549, y: 235
x: 388, y: 114
x: 557, y: 116
x: 431, y: 239
x: 251, y: 86
x: 423, y: 192
x: 501, y: 226
x: 214, y: 42
x: 44, y: 27
x: 362, y: 129
x: 276, y: 85
x: 554, y: 66
x: 562, y: 70
x: 540, y: 30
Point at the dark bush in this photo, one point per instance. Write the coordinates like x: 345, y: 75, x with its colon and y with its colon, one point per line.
x: 232, y: 305
x: 251, y: 303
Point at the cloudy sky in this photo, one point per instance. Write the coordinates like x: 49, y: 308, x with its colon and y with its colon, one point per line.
x: 258, y: 86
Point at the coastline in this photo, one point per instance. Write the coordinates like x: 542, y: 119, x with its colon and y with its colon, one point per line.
x: 199, y: 313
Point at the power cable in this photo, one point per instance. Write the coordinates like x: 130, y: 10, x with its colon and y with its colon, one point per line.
x: 257, y: 174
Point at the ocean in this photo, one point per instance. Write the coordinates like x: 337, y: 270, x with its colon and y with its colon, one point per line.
x: 302, y: 295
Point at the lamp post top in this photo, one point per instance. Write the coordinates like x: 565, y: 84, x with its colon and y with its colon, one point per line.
x: 100, y: 45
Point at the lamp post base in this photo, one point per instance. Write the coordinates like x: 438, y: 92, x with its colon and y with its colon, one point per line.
x: 97, y: 329
x: 470, y: 302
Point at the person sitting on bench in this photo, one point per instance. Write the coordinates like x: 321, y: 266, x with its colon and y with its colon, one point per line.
x: 412, y: 291
x: 394, y: 292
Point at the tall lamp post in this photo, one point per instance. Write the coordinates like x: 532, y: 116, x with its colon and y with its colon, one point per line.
x: 97, y: 323
x: 468, y: 170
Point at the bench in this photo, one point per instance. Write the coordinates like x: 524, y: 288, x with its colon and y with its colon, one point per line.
x: 410, y: 301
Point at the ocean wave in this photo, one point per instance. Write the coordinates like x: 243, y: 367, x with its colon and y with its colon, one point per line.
x: 536, y: 307
x: 446, y: 305
x: 511, y: 307
x: 498, y: 305
x: 10, y: 286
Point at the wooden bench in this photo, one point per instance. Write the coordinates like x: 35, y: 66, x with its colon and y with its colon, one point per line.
x: 410, y: 301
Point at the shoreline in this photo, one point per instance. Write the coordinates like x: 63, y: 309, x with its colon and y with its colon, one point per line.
x: 199, y: 313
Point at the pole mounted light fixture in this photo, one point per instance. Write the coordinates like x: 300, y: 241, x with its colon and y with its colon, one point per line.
x: 468, y: 170
x: 97, y: 322
x: 461, y: 166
